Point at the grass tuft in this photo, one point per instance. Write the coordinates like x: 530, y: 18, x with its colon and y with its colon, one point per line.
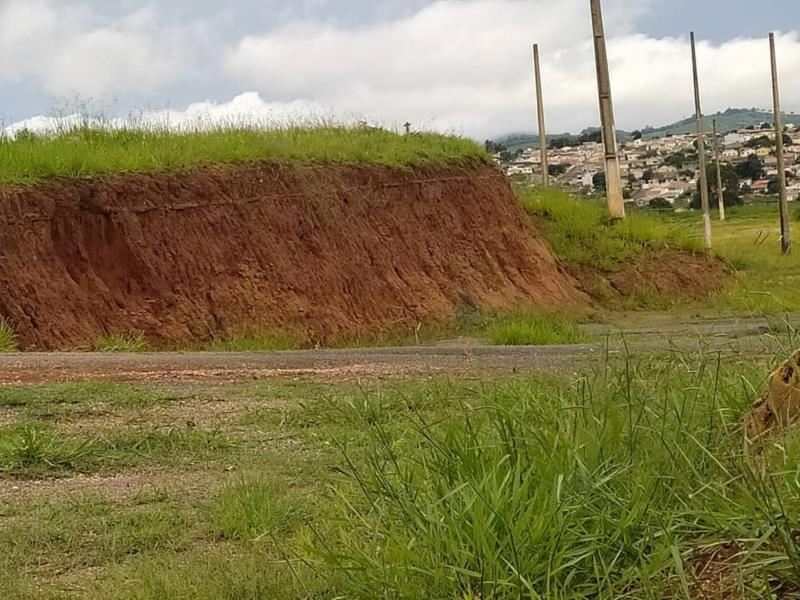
x: 35, y: 449
x: 132, y: 342
x: 267, y: 341
x: 251, y: 510
x: 534, y: 329
x: 8, y: 340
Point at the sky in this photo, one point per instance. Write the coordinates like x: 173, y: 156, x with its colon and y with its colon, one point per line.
x: 457, y: 66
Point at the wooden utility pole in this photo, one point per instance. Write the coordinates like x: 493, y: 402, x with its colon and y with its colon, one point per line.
x: 616, y: 203
x: 720, y: 195
x: 786, y: 242
x: 701, y: 151
x: 540, y: 108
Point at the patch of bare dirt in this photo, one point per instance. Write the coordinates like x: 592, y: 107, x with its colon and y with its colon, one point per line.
x: 153, y: 374
x: 334, y: 251
x: 717, y: 574
x: 720, y: 574
x: 119, y: 486
x: 670, y: 273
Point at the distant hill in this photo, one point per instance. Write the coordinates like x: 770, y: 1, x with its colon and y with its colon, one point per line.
x: 729, y: 120
x: 521, y: 141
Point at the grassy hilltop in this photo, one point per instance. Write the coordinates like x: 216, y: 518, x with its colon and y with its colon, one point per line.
x: 87, y: 152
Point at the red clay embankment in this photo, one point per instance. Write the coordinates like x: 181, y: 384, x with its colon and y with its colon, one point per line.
x: 330, y: 251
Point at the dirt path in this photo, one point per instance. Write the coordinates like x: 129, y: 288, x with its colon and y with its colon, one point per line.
x: 322, y: 364
x: 635, y: 334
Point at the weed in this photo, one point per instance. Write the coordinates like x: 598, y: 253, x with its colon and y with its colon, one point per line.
x: 8, y: 340
x: 531, y: 328
x: 31, y: 449
x: 252, y: 510
x: 132, y: 342
x: 259, y: 342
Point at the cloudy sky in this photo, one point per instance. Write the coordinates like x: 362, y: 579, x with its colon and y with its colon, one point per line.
x: 453, y: 65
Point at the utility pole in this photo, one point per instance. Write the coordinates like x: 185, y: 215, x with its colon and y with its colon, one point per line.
x: 701, y: 151
x: 786, y: 242
x: 540, y: 107
x: 720, y: 195
x: 616, y: 203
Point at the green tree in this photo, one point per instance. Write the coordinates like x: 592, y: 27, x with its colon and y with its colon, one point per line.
x: 648, y: 175
x: 636, y: 135
x: 751, y: 168
x: 731, y: 187
x: 774, y: 185
x: 676, y: 159
x: 660, y: 204
x: 599, y: 181
x: 590, y: 135
x: 493, y: 147
x: 762, y: 141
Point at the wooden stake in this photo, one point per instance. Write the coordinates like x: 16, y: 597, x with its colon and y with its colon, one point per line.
x: 720, y: 195
x: 616, y: 203
x: 701, y: 152
x: 540, y: 109
x: 786, y: 242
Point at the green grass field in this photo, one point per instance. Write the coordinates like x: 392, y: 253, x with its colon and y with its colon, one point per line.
x: 86, y: 152
x: 617, y: 482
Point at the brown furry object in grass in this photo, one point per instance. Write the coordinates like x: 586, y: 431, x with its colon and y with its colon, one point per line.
x: 780, y: 406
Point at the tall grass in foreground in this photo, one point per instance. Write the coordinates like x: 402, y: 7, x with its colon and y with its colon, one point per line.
x: 88, y: 151
x: 613, y: 487
x: 580, y: 231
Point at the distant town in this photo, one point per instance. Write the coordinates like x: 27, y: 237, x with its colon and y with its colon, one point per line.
x: 663, y: 172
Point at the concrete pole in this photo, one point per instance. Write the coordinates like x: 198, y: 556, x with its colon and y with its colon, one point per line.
x: 540, y: 109
x: 786, y: 242
x: 720, y: 195
x: 701, y: 152
x: 616, y: 203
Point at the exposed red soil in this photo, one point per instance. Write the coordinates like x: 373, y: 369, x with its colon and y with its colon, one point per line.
x: 329, y: 251
x: 668, y: 272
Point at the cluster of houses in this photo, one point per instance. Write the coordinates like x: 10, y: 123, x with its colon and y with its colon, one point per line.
x: 665, y: 167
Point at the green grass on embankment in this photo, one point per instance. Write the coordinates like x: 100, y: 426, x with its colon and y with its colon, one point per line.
x: 765, y: 281
x: 580, y: 232
x: 86, y: 151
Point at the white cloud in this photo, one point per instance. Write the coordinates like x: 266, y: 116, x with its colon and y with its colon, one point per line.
x: 454, y: 65
x: 465, y: 65
x: 245, y: 110
x: 67, y: 50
